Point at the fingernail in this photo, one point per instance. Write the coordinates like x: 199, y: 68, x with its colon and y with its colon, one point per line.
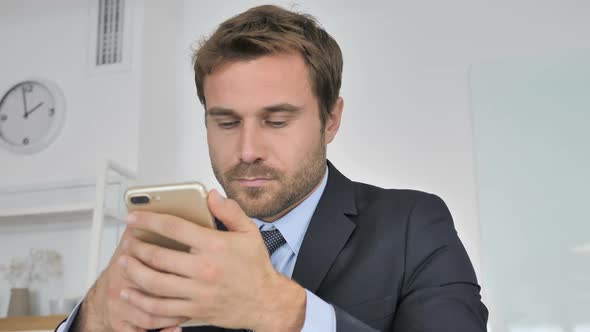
x: 125, y: 244
x: 131, y: 217
x: 123, y: 261
x: 124, y: 295
x: 178, y: 329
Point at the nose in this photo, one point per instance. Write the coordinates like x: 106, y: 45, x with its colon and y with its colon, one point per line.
x: 252, y: 145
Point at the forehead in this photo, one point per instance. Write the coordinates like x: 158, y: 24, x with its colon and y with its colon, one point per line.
x: 257, y: 83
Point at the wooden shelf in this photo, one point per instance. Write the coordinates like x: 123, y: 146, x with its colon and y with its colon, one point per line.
x: 32, y: 323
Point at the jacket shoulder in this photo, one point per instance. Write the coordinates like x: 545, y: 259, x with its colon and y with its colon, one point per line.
x: 371, y: 196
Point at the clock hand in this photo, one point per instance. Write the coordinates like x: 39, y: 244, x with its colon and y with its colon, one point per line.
x: 25, y: 101
x: 34, y: 108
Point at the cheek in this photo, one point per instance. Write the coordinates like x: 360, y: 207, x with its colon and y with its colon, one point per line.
x: 219, y: 150
x: 295, y: 147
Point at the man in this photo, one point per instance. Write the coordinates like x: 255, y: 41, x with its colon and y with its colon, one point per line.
x: 305, y: 248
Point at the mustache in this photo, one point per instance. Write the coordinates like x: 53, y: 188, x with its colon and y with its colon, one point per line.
x: 244, y: 170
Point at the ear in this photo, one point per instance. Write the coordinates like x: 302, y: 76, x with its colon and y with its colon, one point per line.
x: 333, y: 120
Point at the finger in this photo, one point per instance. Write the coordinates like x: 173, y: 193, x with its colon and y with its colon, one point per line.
x: 127, y: 327
x: 162, y: 307
x: 194, y: 266
x: 119, y: 250
x: 132, y: 318
x: 230, y: 213
x: 152, y: 281
x: 159, y: 258
x: 152, y: 323
x: 172, y: 227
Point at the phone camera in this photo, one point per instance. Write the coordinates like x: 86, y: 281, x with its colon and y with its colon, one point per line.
x: 140, y: 199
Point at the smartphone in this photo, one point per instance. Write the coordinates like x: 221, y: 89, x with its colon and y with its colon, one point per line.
x: 186, y: 200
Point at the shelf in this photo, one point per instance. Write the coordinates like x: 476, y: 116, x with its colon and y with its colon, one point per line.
x: 81, y: 212
x: 50, y: 210
x: 32, y: 323
x: 54, y: 210
x: 89, y: 202
x: 58, y: 203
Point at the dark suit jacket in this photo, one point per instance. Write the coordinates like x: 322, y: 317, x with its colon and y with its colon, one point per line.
x: 387, y: 260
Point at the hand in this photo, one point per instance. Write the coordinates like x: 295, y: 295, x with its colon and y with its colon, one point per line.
x: 103, y: 309
x: 226, y: 279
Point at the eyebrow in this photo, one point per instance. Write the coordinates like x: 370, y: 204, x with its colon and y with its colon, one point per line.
x: 220, y: 111
x: 284, y: 107
x: 278, y: 108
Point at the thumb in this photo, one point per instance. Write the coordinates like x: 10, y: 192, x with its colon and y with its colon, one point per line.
x: 229, y: 212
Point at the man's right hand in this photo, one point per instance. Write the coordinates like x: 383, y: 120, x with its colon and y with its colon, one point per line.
x: 104, y: 310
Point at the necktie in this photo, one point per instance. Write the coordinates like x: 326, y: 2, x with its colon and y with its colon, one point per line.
x: 273, y: 240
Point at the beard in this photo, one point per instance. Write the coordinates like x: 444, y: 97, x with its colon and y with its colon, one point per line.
x: 262, y: 203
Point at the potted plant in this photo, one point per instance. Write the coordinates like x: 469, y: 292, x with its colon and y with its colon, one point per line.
x: 21, y: 273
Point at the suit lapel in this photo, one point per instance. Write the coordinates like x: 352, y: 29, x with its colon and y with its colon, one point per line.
x: 328, y: 231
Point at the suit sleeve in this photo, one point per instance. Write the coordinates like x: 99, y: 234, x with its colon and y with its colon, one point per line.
x: 65, y: 325
x: 440, y: 291
x: 347, y: 323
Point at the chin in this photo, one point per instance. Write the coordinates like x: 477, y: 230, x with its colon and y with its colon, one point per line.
x: 250, y: 196
x: 255, y: 207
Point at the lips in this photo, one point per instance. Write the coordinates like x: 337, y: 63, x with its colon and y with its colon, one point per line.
x: 253, y: 182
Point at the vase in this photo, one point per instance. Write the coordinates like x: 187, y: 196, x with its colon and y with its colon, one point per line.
x: 20, y: 304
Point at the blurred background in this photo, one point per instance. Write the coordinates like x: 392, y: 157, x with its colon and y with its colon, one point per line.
x: 484, y: 103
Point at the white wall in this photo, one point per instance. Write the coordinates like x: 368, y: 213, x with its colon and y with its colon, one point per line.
x: 51, y: 40
x: 159, y: 142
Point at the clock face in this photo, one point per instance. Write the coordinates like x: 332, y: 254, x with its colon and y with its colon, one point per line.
x: 31, y: 115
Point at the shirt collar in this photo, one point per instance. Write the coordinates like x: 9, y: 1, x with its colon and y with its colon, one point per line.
x: 293, y: 225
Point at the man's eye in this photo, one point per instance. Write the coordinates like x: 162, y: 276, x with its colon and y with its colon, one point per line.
x: 276, y: 124
x: 228, y: 124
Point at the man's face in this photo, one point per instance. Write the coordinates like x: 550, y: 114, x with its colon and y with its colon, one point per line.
x: 264, y: 132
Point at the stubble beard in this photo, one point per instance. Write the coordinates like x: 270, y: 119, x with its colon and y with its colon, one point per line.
x: 260, y: 203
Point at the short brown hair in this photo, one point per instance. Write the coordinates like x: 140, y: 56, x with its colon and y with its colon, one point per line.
x: 269, y: 29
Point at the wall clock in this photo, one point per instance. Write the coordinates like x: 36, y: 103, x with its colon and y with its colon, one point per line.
x: 32, y: 114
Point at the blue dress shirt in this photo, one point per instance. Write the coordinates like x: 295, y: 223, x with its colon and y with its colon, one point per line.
x: 319, y: 315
